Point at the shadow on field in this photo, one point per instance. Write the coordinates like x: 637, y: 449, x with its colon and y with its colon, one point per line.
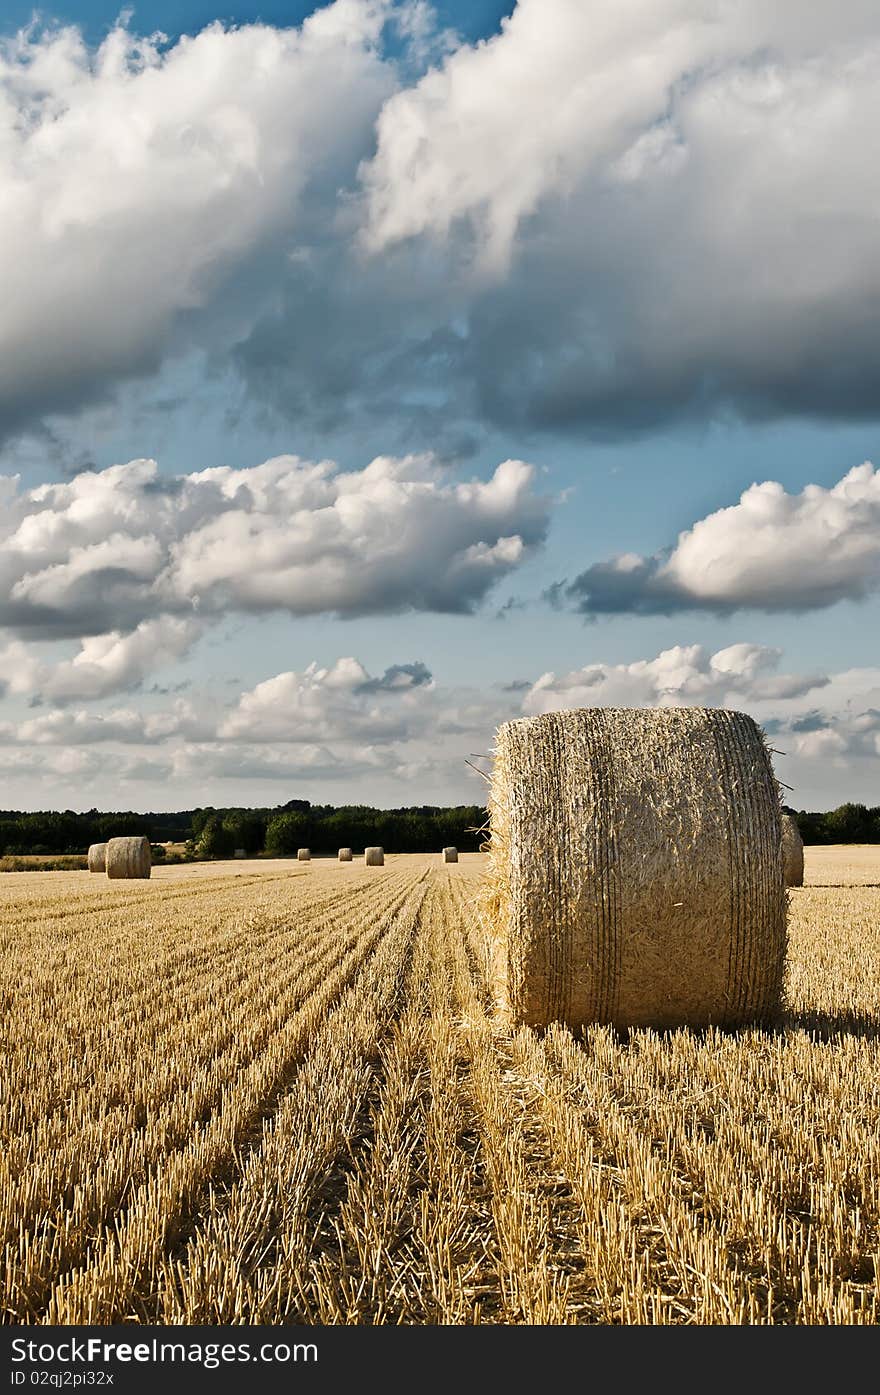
x: 827, y: 1025
x: 838, y: 886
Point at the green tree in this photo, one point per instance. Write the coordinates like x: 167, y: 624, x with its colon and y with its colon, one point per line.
x: 215, y: 839
x: 287, y: 832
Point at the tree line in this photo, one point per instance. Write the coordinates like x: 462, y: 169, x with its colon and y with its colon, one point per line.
x: 275, y: 832
x: 848, y: 823
x: 280, y: 831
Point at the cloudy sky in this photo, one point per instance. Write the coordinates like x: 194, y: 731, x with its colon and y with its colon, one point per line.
x: 373, y: 373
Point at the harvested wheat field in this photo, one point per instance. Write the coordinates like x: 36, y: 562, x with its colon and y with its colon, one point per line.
x: 276, y: 1093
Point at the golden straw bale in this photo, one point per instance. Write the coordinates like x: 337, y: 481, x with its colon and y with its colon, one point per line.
x: 128, y: 858
x: 97, y: 857
x: 792, y: 851
x: 635, y: 869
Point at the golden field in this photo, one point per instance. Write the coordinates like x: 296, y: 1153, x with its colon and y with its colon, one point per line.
x: 269, y: 1092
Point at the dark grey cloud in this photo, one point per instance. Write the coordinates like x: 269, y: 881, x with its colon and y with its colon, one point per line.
x: 672, y: 218
x: 398, y: 678
x: 675, y: 220
x: 810, y: 721
x: 170, y: 190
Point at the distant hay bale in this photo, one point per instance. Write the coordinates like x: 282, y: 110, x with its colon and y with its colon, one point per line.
x: 345, y: 854
x: 240, y: 852
x: 97, y: 857
x: 374, y: 857
x: 635, y: 869
x: 450, y: 854
x: 128, y: 857
x: 303, y: 854
x: 792, y: 851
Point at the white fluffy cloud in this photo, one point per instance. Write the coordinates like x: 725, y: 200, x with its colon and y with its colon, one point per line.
x: 129, y: 545
x: 330, y: 704
x: 400, y: 737
x: 140, y: 183
x: 825, y: 728
x: 567, y: 90
x: 105, y: 664
x: 666, y: 206
x: 683, y: 676
x: 606, y: 216
x: 771, y: 551
x: 124, y: 725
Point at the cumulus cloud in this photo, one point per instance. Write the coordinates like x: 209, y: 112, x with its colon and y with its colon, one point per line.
x: 379, y: 738
x: 663, y: 207
x: 125, y: 725
x: 144, y: 185
x: 824, y: 727
x: 771, y: 551
x: 604, y: 217
x: 131, y: 545
x: 105, y: 664
x: 842, y: 725
x: 683, y: 676
x: 331, y: 704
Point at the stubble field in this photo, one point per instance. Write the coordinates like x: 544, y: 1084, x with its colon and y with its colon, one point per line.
x: 269, y: 1092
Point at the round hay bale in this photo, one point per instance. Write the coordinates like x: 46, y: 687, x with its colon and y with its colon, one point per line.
x: 374, y: 857
x: 792, y: 851
x: 635, y: 869
x: 303, y: 854
x: 97, y: 857
x: 450, y: 854
x: 345, y: 854
x: 128, y: 857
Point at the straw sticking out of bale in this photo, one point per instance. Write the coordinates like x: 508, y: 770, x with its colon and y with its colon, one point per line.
x: 635, y: 869
x: 374, y: 857
x: 128, y: 857
x: 450, y: 854
x: 97, y: 857
x: 303, y: 854
x: 345, y: 854
x: 792, y: 851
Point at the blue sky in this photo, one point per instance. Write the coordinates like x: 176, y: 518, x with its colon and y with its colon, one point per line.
x: 634, y: 254
x: 473, y: 20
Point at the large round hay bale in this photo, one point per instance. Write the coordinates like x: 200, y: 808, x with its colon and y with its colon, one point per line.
x: 128, y: 857
x: 345, y: 854
x: 450, y: 854
x: 374, y: 857
x: 97, y: 857
x: 792, y: 851
x: 635, y: 869
x: 303, y: 854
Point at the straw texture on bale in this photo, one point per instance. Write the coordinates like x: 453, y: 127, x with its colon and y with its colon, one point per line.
x: 128, y: 857
x: 792, y: 851
x: 97, y: 856
x: 345, y: 854
x: 635, y: 869
x: 303, y: 854
x: 450, y: 854
x: 374, y: 857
